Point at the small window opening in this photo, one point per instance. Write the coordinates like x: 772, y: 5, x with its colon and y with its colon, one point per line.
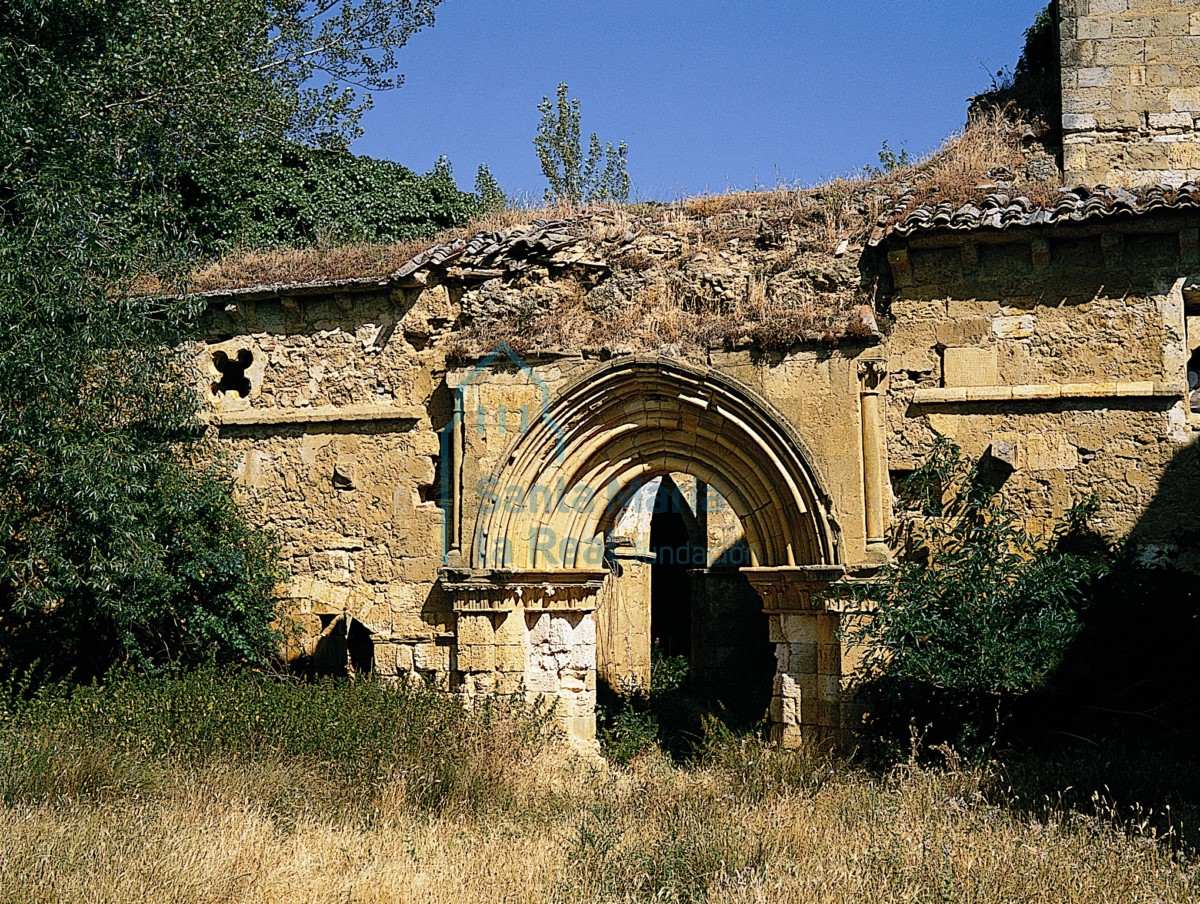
x: 233, y: 373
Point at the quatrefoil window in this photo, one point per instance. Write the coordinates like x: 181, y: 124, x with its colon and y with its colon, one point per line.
x: 233, y: 373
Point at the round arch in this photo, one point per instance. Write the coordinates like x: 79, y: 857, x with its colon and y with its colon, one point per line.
x: 634, y: 419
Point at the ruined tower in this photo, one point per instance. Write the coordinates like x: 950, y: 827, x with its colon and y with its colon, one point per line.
x: 1130, y: 91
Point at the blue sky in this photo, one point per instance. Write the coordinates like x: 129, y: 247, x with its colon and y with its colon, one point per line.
x: 710, y: 95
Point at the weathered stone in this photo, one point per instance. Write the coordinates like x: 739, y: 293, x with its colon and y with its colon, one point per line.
x: 419, y: 495
x: 969, y: 367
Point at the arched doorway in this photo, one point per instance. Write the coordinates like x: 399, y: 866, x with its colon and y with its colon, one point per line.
x: 676, y: 616
x: 547, y: 527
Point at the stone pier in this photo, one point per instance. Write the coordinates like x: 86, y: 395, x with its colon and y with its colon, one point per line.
x: 814, y: 658
x: 530, y: 633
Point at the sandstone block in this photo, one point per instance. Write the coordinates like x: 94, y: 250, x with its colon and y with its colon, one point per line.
x: 1184, y: 156
x: 1144, y: 26
x: 583, y: 656
x: 1120, y: 52
x: 404, y: 658
x: 510, y: 628
x: 962, y: 367
x: 1093, y: 28
x: 1115, y: 120
x: 829, y: 714
x: 798, y: 628
x: 1049, y: 452
x: 1087, y: 100
x: 510, y: 657
x: 1140, y: 98
x: 829, y: 659
x: 1169, y: 76
x: 1020, y: 326
x: 829, y: 688
x: 540, y: 681
x: 827, y: 628
x: 775, y: 629
x: 562, y: 636
x: 777, y: 710
x: 1171, y: 50
x: 802, y: 658
x: 476, y: 658
x: 509, y: 682
x: 966, y: 332
x: 573, y: 681
x: 1094, y: 76
x: 539, y: 628
x: 1078, y: 52
x: 1171, y: 120
x: 430, y: 657
x: 790, y: 711
x: 581, y: 727
x: 475, y: 629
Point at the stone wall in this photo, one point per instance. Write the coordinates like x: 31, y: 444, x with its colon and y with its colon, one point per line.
x: 1130, y: 91
x: 1058, y: 355
x: 335, y: 444
x: 338, y: 408
x: 1059, y: 358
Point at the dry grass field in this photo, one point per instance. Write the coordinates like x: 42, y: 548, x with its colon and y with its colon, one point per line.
x: 203, y: 794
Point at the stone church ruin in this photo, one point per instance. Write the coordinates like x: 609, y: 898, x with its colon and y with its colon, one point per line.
x: 512, y: 461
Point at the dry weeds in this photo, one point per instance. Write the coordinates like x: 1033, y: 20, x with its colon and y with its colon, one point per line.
x: 757, y: 826
x: 821, y: 217
x: 768, y: 268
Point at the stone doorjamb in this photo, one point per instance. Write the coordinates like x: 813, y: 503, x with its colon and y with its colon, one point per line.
x: 811, y: 657
x: 530, y: 632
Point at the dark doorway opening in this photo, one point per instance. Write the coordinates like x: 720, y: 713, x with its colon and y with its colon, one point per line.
x: 670, y: 583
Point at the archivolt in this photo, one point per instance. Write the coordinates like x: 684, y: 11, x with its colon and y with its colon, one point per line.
x: 627, y: 422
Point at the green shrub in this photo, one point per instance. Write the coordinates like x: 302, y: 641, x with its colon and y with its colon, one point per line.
x: 976, y: 611
x: 641, y: 718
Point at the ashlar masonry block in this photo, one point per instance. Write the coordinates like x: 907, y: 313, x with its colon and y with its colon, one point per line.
x: 962, y: 367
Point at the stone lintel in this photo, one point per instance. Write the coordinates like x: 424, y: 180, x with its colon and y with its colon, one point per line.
x: 1048, y: 391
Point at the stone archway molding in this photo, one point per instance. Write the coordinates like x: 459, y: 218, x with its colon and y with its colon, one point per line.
x: 636, y: 418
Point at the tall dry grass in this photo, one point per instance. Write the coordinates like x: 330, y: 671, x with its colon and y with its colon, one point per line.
x: 283, y: 823
x: 655, y: 832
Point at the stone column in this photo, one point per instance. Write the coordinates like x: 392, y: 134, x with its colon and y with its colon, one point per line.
x: 807, y: 694
x: 874, y: 469
x: 528, y: 632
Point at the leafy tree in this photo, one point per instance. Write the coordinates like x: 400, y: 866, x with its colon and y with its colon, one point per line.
x: 976, y: 612
x: 115, y: 544
x: 1032, y: 87
x: 574, y: 177
x: 491, y: 196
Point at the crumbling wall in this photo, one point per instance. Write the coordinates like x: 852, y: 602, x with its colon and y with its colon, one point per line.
x: 335, y: 446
